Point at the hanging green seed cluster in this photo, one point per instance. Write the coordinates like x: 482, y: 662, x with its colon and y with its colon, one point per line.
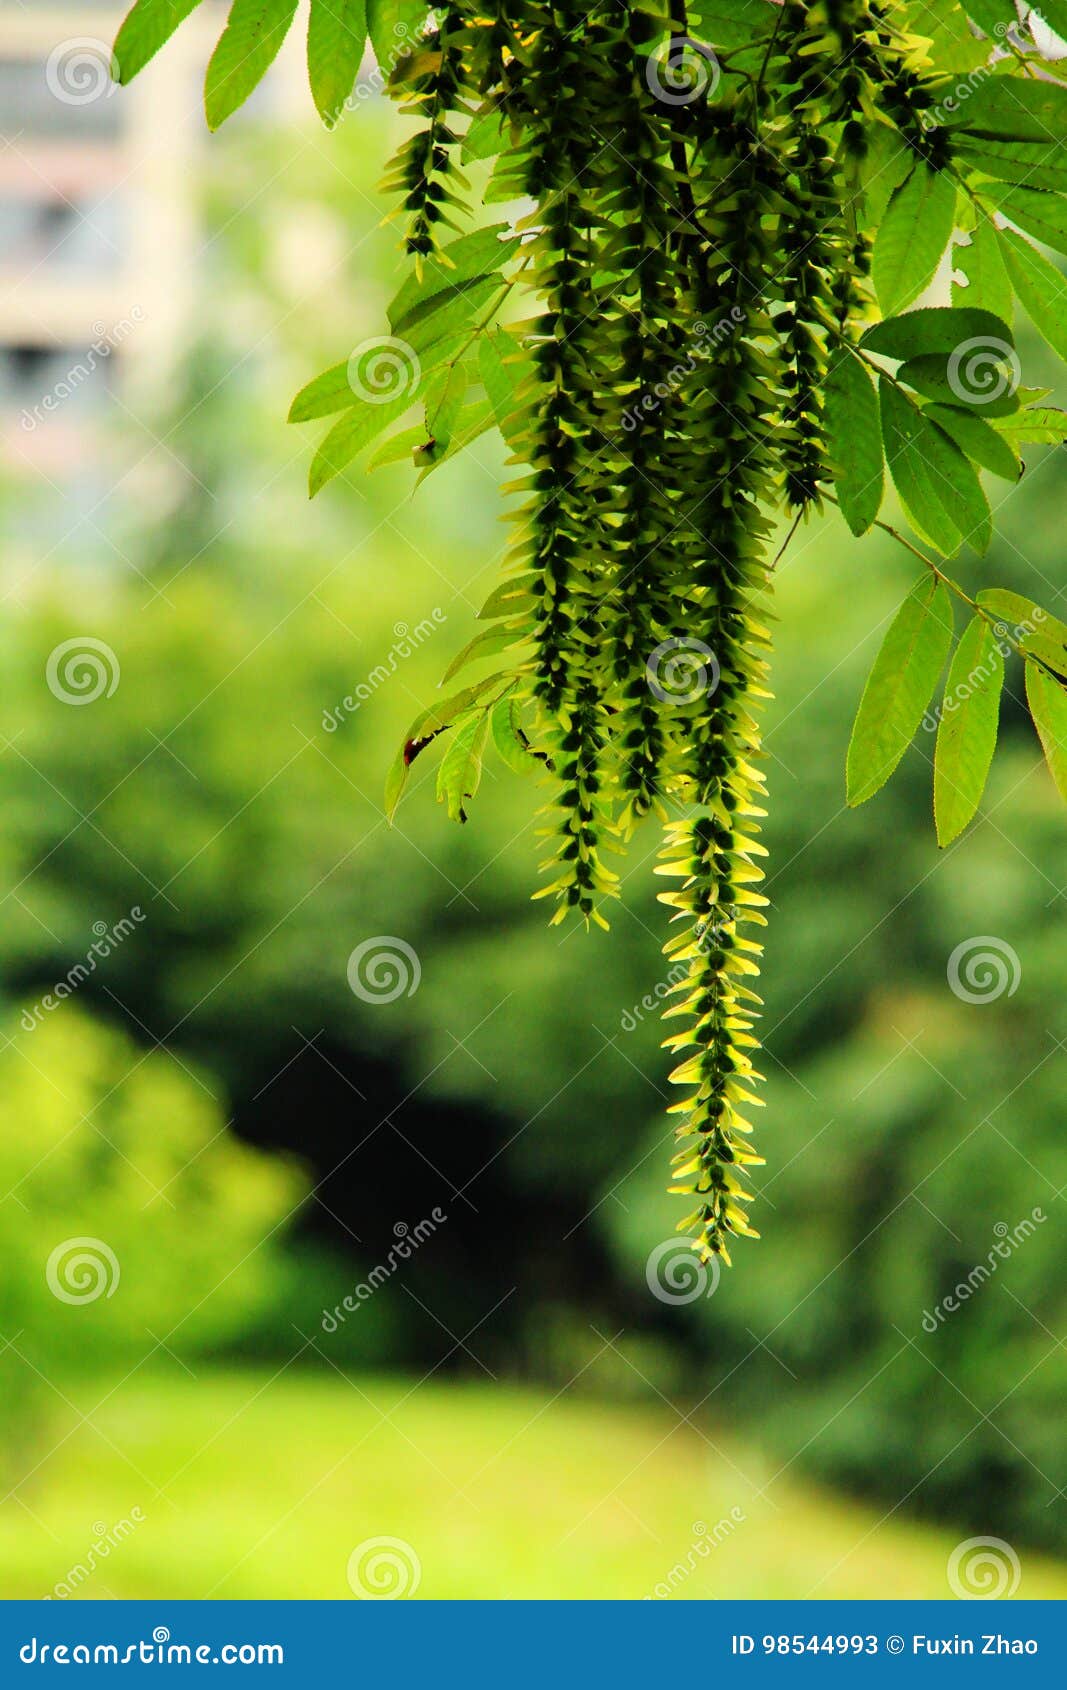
x: 695, y: 318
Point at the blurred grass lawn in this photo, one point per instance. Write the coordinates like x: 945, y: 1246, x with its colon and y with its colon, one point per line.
x: 269, y: 1482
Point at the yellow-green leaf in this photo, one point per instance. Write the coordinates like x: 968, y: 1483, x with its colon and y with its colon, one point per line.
x: 854, y: 440
x: 460, y: 773
x: 255, y: 30
x: 1028, y: 626
x: 967, y: 730
x: 898, y: 688
x: 1048, y: 707
x: 337, y: 35
x: 912, y: 237
x: 145, y: 29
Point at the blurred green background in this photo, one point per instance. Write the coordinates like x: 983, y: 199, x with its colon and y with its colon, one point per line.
x: 250, y: 1139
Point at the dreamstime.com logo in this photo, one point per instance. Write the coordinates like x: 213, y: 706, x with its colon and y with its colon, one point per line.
x: 103, y: 345
x: 384, y: 968
x: 81, y: 1270
x: 374, y: 79
x: 682, y: 71
x: 1006, y: 640
x: 1008, y: 1240
x: 384, y: 1569
x: 681, y: 670
x: 982, y: 969
x: 107, y: 939
x: 983, y: 1569
x: 384, y: 368
x: 158, y: 1650
x: 81, y: 70
x: 708, y: 934
x: 406, y: 641
x: 675, y: 1273
x: 81, y: 670
x: 106, y: 1538
x: 408, y: 1239
x: 705, y: 1538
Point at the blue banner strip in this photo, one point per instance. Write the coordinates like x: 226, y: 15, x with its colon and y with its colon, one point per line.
x: 536, y: 1644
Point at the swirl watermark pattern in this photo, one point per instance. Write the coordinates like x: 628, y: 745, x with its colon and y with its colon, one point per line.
x: 384, y: 1569
x: 681, y: 670
x: 384, y: 968
x: 81, y: 70
x: 81, y: 670
x: 81, y: 1270
x: 682, y: 72
x: 383, y: 369
x: 674, y: 1273
x: 983, y: 370
x: 983, y: 1569
x: 982, y: 969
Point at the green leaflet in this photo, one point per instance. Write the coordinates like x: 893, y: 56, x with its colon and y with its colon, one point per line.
x: 937, y: 485
x: 507, y: 598
x: 395, y: 27
x: 372, y: 368
x: 1043, y: 424
x: 1029, y: 627
x: 486, y: 137
x: 332, y: 391
x: 981, y: 380
x: 912, y: 237
x: 403, y: 444
x: 1042, y: 215
x: 1048, y: 707
x: 730, y: 23
x: 444, y: 399
x: 976, y: 439
x: 505, y: 721
x: 431, y: 722
x: 454, y: 316
x: 460, y: 771
x: 487, y: 643
x: 247, y: 47
x: 1032, y: 164
x: 982, y: 266
x: 1040, y: 287
x: 337, y: 35
x: 497, y: 378
x: 854, y: 440
x: 993, y: 17
x: 934, y: 329
x: 1013, y: 108
x: 473, y: 421
x: 462, y: 264
x: 967, y: 730
x: 355, y: 430
x: 955, y: 46
x: 145, y: 28
x: 898, y: 688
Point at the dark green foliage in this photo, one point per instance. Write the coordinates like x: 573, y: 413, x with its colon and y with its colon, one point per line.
x: 715, y: 227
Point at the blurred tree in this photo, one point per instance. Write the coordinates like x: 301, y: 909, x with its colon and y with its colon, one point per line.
x: 133, y: 1227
